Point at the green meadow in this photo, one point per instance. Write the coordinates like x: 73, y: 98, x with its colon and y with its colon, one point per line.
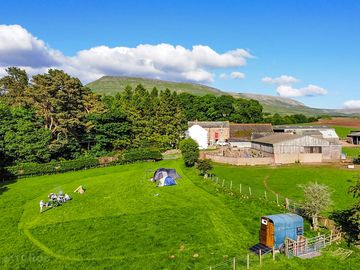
x: 123, y: 221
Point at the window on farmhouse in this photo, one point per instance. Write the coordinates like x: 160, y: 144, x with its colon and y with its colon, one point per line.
x: 313, y: 149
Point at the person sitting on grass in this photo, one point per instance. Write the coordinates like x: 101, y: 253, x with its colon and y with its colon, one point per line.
x: 60, y: 198
x: 67, y: 198
x: 42, y: 205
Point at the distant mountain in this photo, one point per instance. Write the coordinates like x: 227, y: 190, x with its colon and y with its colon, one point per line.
x: 110, y: 85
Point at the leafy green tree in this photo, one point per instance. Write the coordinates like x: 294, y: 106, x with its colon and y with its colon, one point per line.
x: 14, y: 86
x: 111, y: 131
x: 63, y: 103
x: 190, y: 152
x: 204, y: 166
x: 23, y: 138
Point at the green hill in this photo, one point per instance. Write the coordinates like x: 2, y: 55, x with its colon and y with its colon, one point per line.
x: 110, y: 85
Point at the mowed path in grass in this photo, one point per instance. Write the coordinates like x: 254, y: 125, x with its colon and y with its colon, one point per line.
x: 122, y: 220
x: 287, y: 180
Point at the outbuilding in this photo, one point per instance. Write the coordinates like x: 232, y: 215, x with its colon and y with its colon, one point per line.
x: 354, y: 137
x: 291, y: 148
x: 274, y: 229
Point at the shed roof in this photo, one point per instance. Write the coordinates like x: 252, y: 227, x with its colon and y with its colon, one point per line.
x: 278, y: 137
x: 210, y: 124
x: 288, y: 218
x: 245, y: 131
x: 354, y: 134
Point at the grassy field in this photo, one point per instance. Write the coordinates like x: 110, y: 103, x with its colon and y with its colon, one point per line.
x: 124, y: 222
x: 351, y: 152
x: 286, y: 181
x: 342, y: 131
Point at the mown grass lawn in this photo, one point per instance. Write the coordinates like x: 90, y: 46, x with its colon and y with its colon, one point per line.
x: 124, y: 222
x: 351, y: 152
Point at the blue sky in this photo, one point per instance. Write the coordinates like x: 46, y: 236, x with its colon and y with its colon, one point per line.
x: 315, y: 42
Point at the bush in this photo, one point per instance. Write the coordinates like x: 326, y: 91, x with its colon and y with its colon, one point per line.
x: 133, y: 155
x: 25, y: 169
x: 190, y: 152
x: 357, y: 160
x: 204, y: 166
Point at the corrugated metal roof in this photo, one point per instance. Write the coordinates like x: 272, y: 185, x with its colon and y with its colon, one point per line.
x: 277, y: 137
x: 289, y: 218
x: 209, y: 124
x: 355, y: 134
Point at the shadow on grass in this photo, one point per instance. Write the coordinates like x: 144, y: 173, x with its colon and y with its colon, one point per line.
x: 6, y: 178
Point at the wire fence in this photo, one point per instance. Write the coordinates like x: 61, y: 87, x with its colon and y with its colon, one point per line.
x: 247, y: 191
x: 245, y: 261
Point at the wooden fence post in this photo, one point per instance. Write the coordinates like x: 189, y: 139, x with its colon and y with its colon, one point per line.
x: 250, y: 191
x: 286, y: 203
x: 273, y: 253
x: 277, y: 199
x: 223, y: 182
x: 260, y: 257
x: 240, y: 188
x: 248, y: 261
x: 234, y: 263
x: 231, y: 184
x: 265, y: 195
x: 331, y: 236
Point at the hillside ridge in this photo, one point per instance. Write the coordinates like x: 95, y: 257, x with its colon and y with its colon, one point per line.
x: 110, y: 85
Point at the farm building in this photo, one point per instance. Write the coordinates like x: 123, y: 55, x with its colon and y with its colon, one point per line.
x: 217, y: 131
x: 199, y: 135
x: 291, y: 148
x: 241, y: 135
x: 274, y: 229
x: 323, y: 132
x: 354, y: 137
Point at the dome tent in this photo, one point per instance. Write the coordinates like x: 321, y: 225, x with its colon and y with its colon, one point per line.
x: 163, y: 172
x: 166, y: 181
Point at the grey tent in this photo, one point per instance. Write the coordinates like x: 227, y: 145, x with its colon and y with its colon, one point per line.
x: 163, y: 172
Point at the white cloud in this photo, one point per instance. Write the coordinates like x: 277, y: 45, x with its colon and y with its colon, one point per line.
x: 352, y: 104
x: 20, y: 48
x: 237, y: 75
x: 282, y: 80
x: 233, y: 75
x: 285, y: 87
x: 310, y: 90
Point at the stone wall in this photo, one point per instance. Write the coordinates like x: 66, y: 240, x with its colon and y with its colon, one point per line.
x: 240, y: 161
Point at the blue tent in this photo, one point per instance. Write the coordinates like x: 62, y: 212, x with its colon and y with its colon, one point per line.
x: 167, y: 181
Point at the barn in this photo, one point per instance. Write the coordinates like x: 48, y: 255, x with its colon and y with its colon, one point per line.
x: 274, y: 229
x: 291, y: 148
x: 323, y: 132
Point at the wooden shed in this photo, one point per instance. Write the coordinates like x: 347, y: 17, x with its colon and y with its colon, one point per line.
x: 274, y: 229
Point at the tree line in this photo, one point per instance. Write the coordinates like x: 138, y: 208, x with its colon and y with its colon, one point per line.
x: 53, y: 116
